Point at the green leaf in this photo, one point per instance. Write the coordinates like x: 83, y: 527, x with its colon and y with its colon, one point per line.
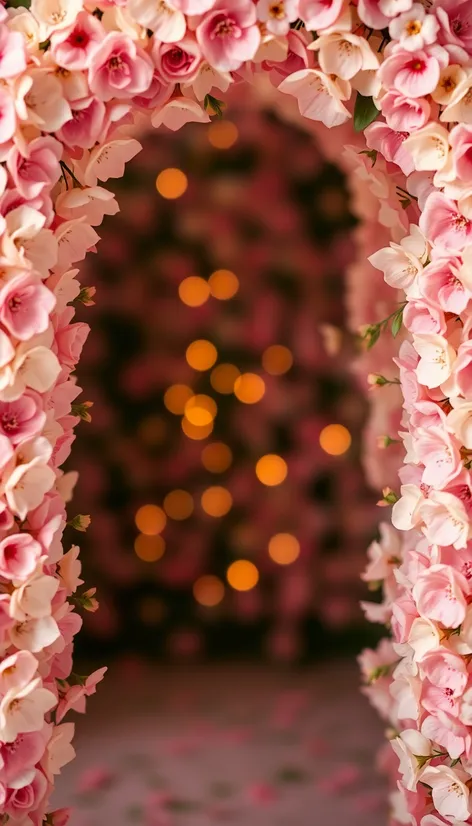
x: 397, y: 322
x: 365, y: 112
x: 19, y: 4
x: 215, y: 105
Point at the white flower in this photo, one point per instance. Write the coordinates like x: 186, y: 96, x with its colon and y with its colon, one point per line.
x: 344, y: 55
x: 34, y: 634
x: 55, y: 14
x: 23, y: 710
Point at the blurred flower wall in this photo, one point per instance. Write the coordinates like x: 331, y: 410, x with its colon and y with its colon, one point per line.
x: 221, y: 466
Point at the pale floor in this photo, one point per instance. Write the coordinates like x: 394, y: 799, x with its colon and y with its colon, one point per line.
x: 237, y: 745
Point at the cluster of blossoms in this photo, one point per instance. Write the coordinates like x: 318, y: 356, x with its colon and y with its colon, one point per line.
x: 73, y: 76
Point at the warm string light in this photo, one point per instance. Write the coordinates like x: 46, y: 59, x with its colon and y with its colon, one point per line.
x: 201, y: 355
x: 198, y: 413
x: 149, y: 548
x: 284, y: 548
x: 150, y: 520
x: 223, y: 284
x: 242, y: 575
x: 216, y: 501
x: 217, y: 457
x: 200, y: 410
x: 178, y: 505
x: 171, y: 183
x: 271, y: 470
x: 222, y: 134
x: 208, y: 591
x: 194, y: 291
x: 335, y: 439
x: 176, y: 397
x: 249, y: 388
x: 277, y: 360
x: 223, y: 378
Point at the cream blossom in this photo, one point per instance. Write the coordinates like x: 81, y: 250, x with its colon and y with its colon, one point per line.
x: 344, y: 55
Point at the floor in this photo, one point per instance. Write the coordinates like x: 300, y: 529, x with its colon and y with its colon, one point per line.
x: 237, y: 745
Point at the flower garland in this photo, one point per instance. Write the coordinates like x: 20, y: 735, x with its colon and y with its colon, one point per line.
x: 74, y: 76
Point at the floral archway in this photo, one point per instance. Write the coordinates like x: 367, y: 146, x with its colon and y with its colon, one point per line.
x: 78, y: 79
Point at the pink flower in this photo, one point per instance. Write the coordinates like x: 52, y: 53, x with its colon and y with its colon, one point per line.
x: 448, y: 732
x: 119, y: 68
x: 319, y: 97
x: 443, y: 225
x: 404, y: 114
x: 414, y: 75
x: 440, y: 455
x: 7, y: 116
x: 86, y: 124
x: 389, y: 143
x: 38, y: 169
x: 177, y: 62
x: 440, y: 595
x: 73, y: 46
x: 463, y: 369
x: 19, y: 554
x: 70, y: 340
x: 320, y: 14
x: 440, y: 283
x: 460, y: 139
x: 445, y: 518
x: 23, y: 418
x: 21, y: 802
x: 455, y: 17
x: 377, y: 13
x: 228, y: 35
x: 25, y: 306
x: 20, y: 757
x: 12, y: 53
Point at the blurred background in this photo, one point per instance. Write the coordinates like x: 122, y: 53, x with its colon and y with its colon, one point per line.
x: 230, y: 515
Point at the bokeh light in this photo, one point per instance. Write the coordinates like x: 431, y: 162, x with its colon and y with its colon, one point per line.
x: 277, y: 360
x: 149, y: 548
x: 335, y: 439
x: 217, y: 457
x: 152, y: 610
x: 284, y: 548
x: 150, y: 520
x: 222, y: 134
x: 200, y: 410
x: 216, y: 501
x: 152, y: 430
x: 171, y: 183
x: 208, y: 591
x: 176, y: 397
x: 223, y: 284
x: 196, y: 433
x: 223, y: 378
x: 242, y: 575
x: 178, y: 505
x: 249, y: 388
x: 194, y: 291
x: 271, y: 470
x: 201, y: 354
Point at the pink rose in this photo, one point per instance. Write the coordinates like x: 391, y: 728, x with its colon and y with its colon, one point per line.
x: 70, y: 340
x: 177, y: 62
